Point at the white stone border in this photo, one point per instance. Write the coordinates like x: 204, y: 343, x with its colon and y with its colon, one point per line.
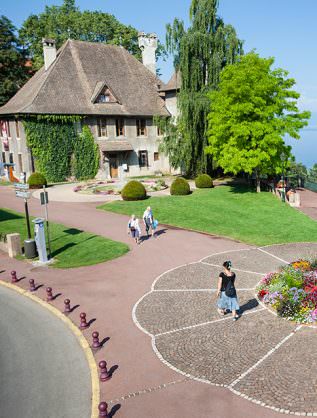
x: 268, y: 354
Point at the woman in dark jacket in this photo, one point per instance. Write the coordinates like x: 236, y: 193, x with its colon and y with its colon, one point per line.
x: 227, y: 295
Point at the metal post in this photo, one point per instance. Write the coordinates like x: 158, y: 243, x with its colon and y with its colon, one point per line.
x: 27, y: 218
x: 47, y: 227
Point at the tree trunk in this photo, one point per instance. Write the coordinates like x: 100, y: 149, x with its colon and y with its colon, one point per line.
x: 258, y: 183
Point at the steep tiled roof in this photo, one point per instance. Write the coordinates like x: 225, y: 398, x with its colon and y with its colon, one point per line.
x: 69, y: 84
x: 174, y: 83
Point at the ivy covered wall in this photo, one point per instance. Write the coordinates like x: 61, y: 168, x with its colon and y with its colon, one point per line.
x: 54, y: 140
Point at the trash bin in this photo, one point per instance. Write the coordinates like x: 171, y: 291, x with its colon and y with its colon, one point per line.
x: 30, y: 248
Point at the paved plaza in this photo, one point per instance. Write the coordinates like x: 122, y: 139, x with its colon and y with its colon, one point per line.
x: 263, y: 358
x: 163, y: 378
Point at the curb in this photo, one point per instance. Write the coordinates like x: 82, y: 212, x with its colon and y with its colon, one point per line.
x: 95, y: 389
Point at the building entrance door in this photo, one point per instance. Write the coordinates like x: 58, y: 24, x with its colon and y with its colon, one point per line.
x: 113, y: 163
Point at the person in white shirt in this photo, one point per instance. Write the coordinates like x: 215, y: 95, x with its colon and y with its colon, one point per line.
x: 148, y: 220
x: 134, y: 228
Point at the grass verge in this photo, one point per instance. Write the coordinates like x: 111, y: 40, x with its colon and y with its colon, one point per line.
x: 230, y: 211
x: 70, y: 247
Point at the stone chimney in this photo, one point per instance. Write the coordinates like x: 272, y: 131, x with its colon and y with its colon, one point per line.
x: 49, y: 51
x: 148, y: 46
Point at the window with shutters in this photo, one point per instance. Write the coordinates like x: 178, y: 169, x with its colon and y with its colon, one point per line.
x: 119, y: 127
x: 143, y: 159
x: 141, y: 127
x: 17, y: 129
x: 102, y: 127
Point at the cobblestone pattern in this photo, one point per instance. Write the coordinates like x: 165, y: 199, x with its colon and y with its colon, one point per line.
x: 220, y: 352
x: 292, y: 252
x: 257, y: 357
x: 288, y: 379
x: 166, y: 311
x: 201, y: 276
x: 249, y: 260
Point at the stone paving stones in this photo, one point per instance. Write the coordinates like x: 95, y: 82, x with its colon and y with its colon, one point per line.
x: 249, y: 260
x: 166, y: 311
x: 201, y: 276
x: 221, y: 351
x: 292, y: 252
x: 259, y: 356
x: 288, y: 378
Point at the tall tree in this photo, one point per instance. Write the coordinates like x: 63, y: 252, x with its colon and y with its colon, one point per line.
x: 200, y: 53
x: 67, y: 21
x: 13, y: 72
x: 252, y: 110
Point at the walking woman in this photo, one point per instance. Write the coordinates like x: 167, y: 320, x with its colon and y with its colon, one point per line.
x: 134, y: 229
x: 227, y: 294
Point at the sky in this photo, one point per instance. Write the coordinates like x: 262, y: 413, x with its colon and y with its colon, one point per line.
x: 284, y: 29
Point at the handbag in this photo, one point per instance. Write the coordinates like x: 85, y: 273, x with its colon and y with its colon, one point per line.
x: 230, y: 290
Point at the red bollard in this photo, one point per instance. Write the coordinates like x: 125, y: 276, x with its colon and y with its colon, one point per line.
x: 32, y: 285
x: 103, y: 410
x: 14, y: 278
x: 104, y: 374
x: 83, y: 321
x: 95, y: 340
x: 49, y: 294
x: 67, y: 306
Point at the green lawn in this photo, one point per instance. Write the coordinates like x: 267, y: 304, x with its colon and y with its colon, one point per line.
x: 70, y: 247
x: 229, y: 211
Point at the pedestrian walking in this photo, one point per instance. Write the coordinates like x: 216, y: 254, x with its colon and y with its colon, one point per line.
x: 134, y: 228
x: 148, y: 220
x: 226, y: 292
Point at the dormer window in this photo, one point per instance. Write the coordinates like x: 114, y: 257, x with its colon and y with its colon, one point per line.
x: 105, y: 96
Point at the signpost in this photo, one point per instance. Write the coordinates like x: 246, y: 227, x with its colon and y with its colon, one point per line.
x: 21, y: 190
x: 44, y: 201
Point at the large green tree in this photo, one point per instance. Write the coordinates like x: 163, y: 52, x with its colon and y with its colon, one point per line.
x: 252, y: 110
x: 13, y: 72
x: 67, y: 21
x: 200, y: 53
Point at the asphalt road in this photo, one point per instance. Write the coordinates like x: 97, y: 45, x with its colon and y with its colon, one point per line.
x: 43, y: 370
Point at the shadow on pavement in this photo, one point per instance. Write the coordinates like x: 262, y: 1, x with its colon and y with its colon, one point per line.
x: 114, y: 409
x: 251, y: 304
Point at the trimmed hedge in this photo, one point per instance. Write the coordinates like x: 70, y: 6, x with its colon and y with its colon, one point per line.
x: 203, y: 181
x: 134, y: 190
x: 180, y: 187
x: 36, y: 181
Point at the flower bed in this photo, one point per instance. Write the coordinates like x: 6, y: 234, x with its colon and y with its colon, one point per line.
x: 111, y: 187
x: 292, y: 291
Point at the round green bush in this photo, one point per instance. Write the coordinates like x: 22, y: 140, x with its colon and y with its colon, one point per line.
x: 36, y: 181
x: 180, y: 187
x: 134, y: 190
x: 203, y: 181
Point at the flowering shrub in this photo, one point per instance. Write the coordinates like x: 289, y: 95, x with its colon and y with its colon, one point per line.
x: 292, y: 292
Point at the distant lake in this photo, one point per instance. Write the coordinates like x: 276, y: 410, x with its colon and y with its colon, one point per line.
x: 305, y: 149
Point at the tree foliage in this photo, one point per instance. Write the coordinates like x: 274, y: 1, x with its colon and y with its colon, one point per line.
x: 67, y: 21
x: 86, y: 155
x: 251, y: 111
x: 313, y: 172
x: 200, y: 53
x: 13, y: 72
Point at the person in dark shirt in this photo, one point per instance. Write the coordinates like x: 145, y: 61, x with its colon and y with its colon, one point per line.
x: 226, y: 292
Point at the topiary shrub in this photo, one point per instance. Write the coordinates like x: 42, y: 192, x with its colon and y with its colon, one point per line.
x: 36, y: 181
x: 134, y: 190
x: 180, y: 187
x: 203, y: 181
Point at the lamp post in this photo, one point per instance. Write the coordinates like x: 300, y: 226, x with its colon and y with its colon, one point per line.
x: 283, y: 159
